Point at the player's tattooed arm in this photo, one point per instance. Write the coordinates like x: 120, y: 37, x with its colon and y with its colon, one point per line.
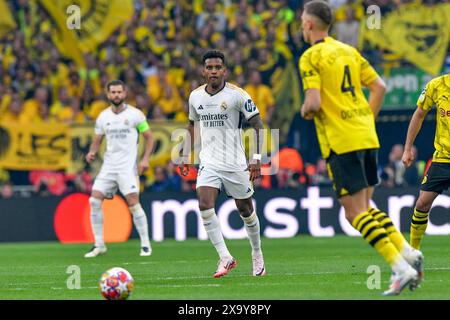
x: 255, y: 164
x: 95, y: 145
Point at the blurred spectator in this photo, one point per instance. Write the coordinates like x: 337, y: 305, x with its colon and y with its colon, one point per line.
x: 290, y: 172
x: 262, y: 96
x: 36, y: 107
x: 6, y: 191
x: 63, y: 100
x: 173, y: 177
x: 12, y: 114
x: 72, y: 113
x: 347, y: 31
x: 393, y: 173
x: 320, y: 176
x: 160, y: 182
x: 286, y: 179
x: 48, y: 182
x: 212, y: 14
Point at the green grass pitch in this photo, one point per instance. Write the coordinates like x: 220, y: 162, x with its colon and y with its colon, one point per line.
x: 298, y: 268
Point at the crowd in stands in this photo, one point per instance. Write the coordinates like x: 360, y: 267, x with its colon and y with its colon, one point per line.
x: 157, y: 54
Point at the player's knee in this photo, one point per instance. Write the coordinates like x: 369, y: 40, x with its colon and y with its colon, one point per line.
x: 95, y: 203
x: 136, y: 208
x: 207, y: 214
x: 245, y: 212
x: 245, y: 208
x: 423, y: 205
x: 204, y: 204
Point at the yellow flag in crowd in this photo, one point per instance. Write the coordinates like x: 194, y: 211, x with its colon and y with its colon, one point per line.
x: 7, y: 22
x: 98, y: 19
x: 64, y: 38
x: 420, y: 34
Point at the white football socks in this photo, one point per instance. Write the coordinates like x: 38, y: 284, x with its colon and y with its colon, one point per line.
x: 212, y: 227
x: 97, y: 221
x: 252, y: 227
x: 140, y: 221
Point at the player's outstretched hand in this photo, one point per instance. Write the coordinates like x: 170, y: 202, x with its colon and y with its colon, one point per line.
x: 143, y: 166
x: 408, y: 157
x: 255, y: 170
x: 90, y: 157
x: 184, y: 169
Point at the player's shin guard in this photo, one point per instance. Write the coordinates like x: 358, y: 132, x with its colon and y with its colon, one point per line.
x: 377, y: 237
x: 140, y: 221
x: 394, y: 235
x: 419, y: 224
x: 212, y: 227
x: 253, y: 231
x: 97, y: 221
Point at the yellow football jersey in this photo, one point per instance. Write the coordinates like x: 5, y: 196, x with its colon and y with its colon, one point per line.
x: 437, y: 93
x: 345, y: 121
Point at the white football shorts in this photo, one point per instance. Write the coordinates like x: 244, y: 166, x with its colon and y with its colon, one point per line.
x: 108, y: 183
x: 236, y: 184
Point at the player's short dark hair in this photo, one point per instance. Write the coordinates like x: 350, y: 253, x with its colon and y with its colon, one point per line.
x: 115, y: 83
x: 211, y: 54
x: 320, y: 9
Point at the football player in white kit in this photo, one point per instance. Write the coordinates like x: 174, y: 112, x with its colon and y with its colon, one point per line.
x: 121, y: 124
x: 219, y: 108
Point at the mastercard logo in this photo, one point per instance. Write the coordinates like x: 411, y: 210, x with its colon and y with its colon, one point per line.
x: 72, y: 221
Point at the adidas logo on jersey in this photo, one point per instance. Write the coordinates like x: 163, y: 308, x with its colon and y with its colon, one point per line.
x: 200, y: 108
x: 249, y: 190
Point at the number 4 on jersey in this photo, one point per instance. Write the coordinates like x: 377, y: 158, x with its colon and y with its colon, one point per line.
x: 346, y: 85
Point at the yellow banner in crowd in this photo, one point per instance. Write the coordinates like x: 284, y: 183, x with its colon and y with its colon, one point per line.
x: 34, y: 146
x: 7, y: 22
x: 97, y: 20
x: 420, y: 34
x: 58, y: 146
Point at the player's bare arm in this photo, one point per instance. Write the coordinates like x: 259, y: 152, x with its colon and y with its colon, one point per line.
x: 413, y: 130
x: 377, y: 90
x: 144, y: 163
x: 312, y: 104
x: 93, y: 150
x: 184, y: 164
x: 255, y: 163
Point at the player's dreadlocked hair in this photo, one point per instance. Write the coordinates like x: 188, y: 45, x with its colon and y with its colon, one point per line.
x: 213, y: 54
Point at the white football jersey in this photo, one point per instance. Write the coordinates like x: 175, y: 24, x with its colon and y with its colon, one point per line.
x: 121, y: 133
x: 220, y: 116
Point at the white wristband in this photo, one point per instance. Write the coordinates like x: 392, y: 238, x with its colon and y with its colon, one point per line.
x: 257, y: 156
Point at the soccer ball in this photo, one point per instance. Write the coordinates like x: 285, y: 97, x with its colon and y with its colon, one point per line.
x: 116, y: 284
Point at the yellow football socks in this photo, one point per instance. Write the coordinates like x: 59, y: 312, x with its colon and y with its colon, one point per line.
x: 419, y: 224
x: 377, y: 237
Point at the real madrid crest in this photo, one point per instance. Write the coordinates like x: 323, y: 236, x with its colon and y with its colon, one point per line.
x: 223, y: 106
x: 126, y: 122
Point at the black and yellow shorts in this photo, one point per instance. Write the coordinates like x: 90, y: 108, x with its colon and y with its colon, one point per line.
x: 353, y: 171
x: 437, y: 178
